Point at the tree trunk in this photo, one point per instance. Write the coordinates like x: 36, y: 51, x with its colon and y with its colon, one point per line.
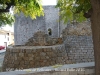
x: 95, y: 25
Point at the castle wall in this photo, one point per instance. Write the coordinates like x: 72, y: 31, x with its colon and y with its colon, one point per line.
x: 25, y: 27
x: 52, y: 20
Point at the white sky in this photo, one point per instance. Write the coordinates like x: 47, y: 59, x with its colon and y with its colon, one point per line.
x: 49, y: 2
x: 9, y: 28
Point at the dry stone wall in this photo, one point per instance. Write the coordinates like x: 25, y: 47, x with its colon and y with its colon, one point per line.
x: 21, y: 57
x: 76, y: 49
x: 42, y: 39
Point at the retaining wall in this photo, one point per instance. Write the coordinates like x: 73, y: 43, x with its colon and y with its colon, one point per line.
x: 79, y: 48
x: 34, y: 56
x: 76, y: 49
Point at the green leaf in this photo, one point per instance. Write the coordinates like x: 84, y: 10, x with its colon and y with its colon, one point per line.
x: 30, y: 8
x: 73, y: 9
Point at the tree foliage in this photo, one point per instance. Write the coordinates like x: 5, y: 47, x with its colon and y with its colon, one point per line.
x: 30, y: 8
x: 74, y: 9
x: 6, y: 18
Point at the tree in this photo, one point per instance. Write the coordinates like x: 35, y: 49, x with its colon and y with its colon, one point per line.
x: 30, y: 8
x: 88, y: 9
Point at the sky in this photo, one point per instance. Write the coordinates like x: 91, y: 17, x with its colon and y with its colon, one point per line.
x: 44, y: 3
x: 49, y: 2
x: 9, y: 28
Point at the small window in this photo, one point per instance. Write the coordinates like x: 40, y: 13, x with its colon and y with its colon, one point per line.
x: 49, y: 31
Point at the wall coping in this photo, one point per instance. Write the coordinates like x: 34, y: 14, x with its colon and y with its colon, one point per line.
x: 32, y: 47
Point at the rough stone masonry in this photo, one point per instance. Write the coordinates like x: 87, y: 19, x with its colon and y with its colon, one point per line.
x: 24, y: 57
x: 74, y: 46
x: 75, y: 49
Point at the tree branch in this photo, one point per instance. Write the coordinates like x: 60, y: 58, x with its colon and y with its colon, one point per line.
x: 3, y: 10
x: 88, y: 14
x: 7, y: 8
x: 8, y: 5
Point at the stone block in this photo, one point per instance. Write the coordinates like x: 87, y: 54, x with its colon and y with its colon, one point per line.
x: 73, y: 72
x: 26, y: 62
x: 47, y: 57
x: 42, y: 54
x: 26, y: 54
x: 64, y: 73
x: 31, y: 62
x: 37, y: 64
x: 89, y: 71
x: 26, y: 58
x: 42, y: 58
x: 38, y: 58
x: 28, y: 51
x: 31, y: 58
x: 21, y: 54
x: 21, y: 63
x: 84, y: 59
x: 80, y: 72
x: 30, y: 55
x: 33, y: 50
x: 16, y: 50
x: 16, y: 63
x: 48, y: 53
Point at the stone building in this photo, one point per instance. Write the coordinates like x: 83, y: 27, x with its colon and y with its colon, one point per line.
x: 7, y: 38
x: 25, y: 27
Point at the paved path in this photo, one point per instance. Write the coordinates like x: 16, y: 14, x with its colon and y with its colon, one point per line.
x: 2, y: 51
x: 2, y: 54
x: 50, y: 68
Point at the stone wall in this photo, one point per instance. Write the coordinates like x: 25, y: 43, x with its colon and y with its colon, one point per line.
x: 25, y: 27
x: 52, y: 20
x: 78, y: 29
x: 79, y: 48
x: 42, y: 39
x: 18, y: 57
